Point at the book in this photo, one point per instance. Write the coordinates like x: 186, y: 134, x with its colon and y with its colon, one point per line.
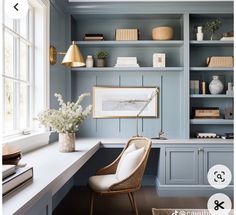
x: 228, y: 136
x: 194, y: 86
x: 93, y: 38
x: 7, y: 170
x: 18, y: 179
x: 93, y: 35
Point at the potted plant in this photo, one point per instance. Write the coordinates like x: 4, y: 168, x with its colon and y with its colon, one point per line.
x: 66, y: 120
x: 212, y: 27
x: 100, y: 58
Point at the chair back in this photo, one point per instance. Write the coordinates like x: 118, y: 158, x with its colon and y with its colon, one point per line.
x: 135, y: 178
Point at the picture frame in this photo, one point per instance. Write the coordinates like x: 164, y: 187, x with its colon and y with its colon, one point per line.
x: 159, y: 60
x: 124, y: 102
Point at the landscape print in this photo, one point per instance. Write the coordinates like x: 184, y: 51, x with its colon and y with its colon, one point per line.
x: 123, y: 102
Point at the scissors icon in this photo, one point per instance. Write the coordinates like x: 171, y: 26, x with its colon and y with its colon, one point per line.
x: 218, y: 205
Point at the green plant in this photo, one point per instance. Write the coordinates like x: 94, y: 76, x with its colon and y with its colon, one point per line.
x: 102, y: 55
x: 212, y: 26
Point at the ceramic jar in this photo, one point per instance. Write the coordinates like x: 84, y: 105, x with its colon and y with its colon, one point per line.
x: 66, y: 142
x: 199, y: 33
x: 216, y: 86
x: 89, y: 61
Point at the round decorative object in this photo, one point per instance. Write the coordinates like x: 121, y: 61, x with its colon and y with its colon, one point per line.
x: 10, y: 155
x: 162, y: 33
x: 216, y: 86
x: 66, y: 142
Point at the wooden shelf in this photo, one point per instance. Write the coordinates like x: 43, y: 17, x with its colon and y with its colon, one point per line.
x: 147, y: 43
x: 211, y: 121
x: 213, y: 69
x: 128, y: 69
x: 211, y: 96
x: 212, y: 43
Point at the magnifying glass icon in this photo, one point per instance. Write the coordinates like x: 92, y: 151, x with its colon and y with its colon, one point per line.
x: 219, y: 176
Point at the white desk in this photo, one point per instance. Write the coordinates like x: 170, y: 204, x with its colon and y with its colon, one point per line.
x: 52, y: 170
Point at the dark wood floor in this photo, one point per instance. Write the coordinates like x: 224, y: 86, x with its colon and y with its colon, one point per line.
x: 77, y: 202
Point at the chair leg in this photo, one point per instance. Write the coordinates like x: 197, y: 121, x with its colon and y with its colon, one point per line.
x: 91, y: 203
x: 134, y: 203
x: 131, y: 201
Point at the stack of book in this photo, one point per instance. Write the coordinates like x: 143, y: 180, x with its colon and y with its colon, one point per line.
x: 14, y: 177
x: 93, y: 37
x: 194, y: 86
x: 126, y: 62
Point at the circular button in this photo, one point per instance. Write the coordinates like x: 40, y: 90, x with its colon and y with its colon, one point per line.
x: 16, y: 9
x: 219, y: 176
x: 219, y: 204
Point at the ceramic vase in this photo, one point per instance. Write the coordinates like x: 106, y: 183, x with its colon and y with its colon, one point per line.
x: 66, y: 142
x: 89, y: 61
x: 199, y: 33
x: 216, y: 86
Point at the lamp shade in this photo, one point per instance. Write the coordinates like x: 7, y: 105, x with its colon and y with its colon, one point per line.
x: 73, y: 57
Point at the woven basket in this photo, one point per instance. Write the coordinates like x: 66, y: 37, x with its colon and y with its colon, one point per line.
x: 220, y: 61
x: 162, y: 33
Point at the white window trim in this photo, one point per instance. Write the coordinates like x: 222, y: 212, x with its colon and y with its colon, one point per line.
x: 37, y: 138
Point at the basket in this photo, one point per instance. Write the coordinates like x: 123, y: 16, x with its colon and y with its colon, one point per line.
x: 127, y: 34
x: 220, y: 61
x: 162, y: 33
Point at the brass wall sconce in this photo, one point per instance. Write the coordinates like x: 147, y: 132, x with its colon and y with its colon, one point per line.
x: 73, y: 56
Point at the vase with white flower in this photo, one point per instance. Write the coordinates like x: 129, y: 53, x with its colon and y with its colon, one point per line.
x: 66, y: 120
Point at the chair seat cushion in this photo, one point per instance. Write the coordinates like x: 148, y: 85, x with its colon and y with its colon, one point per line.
x: 102, y: 182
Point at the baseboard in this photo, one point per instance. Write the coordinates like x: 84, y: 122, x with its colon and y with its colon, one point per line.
x: 190, y: 190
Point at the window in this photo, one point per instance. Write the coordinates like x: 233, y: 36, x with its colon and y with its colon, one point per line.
x: 24, y: 79
x: 18, y: 74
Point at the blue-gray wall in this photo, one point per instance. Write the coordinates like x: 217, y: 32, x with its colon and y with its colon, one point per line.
x: 59, y: 75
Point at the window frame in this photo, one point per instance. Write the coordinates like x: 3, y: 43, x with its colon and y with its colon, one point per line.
x: 39, y: 136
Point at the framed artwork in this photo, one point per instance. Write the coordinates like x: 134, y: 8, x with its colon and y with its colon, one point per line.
x: 159, y: 60
x: 124, y: 102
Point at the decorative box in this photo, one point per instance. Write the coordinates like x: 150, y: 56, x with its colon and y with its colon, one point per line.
x: 162, y: 33
x: 127, y: 34
x: 206, y: 112
x: 220, y: 61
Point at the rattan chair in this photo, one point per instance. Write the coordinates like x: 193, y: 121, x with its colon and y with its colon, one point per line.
x: 129, y: 184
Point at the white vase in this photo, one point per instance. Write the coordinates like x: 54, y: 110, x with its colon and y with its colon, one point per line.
x: 89, y: 61
x: 199, y: 33
x: 216, y: 86
x: 66, y: 142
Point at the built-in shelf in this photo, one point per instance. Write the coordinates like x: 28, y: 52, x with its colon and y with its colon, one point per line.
x: 211, y: 96
x: 213, y: 69
x: 128, y: 69
x: 212, y: 43
x: 147, y: 43
x: 212, y: 121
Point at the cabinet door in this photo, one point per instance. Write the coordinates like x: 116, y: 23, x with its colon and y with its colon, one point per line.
x: 214, y: 156
x: 42, y: 207
x: 182, y: 165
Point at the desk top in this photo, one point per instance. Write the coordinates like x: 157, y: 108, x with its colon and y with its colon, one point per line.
x: 116, y: 142
x: 52, y: 169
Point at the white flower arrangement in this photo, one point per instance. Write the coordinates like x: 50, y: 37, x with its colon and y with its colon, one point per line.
x: 68, y: 117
